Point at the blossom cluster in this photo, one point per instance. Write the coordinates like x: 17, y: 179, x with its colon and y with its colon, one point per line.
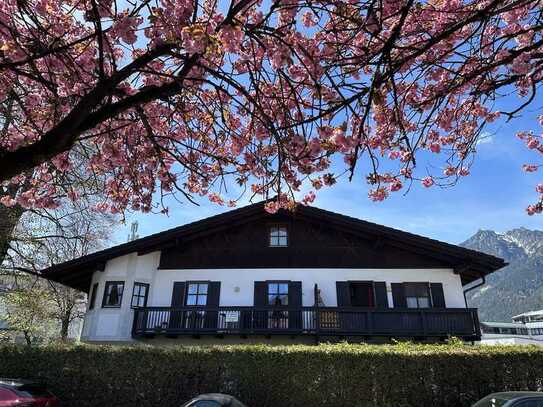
x: 183, y: 97
x: 534, y: 142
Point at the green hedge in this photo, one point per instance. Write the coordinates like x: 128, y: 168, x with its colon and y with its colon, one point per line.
x: 282, y: 376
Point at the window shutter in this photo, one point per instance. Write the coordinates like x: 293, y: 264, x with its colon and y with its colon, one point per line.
x: 294, y: 294
x: 438, y: 297
x: 261, y: 291
x: 260, y: 317
x: 178, y: 301
x: 213, y: 298
x: 343, y: 294
x: 381, y: 297
x: 294, y: 301
x: 178, y: 294
x: 213, y: 294
x: 398, y: 295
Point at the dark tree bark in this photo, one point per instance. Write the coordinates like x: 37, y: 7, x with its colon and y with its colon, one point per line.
x: 28, y: 338
x: 9, y: 217
x: 64, y: 326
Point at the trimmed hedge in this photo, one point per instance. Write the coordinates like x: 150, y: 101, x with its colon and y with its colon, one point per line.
x: 280, y: 376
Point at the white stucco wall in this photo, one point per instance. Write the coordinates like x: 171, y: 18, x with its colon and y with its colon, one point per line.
x: 237, y: 288
x: 110, y: 324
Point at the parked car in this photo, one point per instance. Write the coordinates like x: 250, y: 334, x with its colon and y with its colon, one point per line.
x: 512, y: 399
x: 25, y: 393
x: 214, y: 400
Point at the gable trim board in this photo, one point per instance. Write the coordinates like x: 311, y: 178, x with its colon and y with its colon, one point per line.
x: 365, y: 240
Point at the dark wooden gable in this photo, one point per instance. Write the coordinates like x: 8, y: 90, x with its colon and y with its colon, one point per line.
x: 311, y: 244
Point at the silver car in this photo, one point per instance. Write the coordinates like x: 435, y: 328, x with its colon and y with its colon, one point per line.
x: 512, y: 399
x: 215, y: 400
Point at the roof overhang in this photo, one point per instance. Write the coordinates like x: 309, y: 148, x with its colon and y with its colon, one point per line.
x: 469, y: 264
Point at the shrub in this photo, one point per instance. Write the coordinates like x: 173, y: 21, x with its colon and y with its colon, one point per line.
x: 281, y: 376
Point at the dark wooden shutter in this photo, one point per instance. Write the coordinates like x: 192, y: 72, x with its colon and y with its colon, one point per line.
x: 294, y: 294
x: 261, y: 293
x: 93, y: 296
x: 398, y: 295
x: 381, y: 297
x: 438, y: 297
x: 213, y: 299
x: 343, y: 294
x: 295, y: 305
x: 213, y: 294
x: 178, y: 294
x: 178, y: 301
x: 260, y: 317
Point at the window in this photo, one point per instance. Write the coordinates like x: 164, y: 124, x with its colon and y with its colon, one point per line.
x: 277, y: 294
x: 139, y: 295
x: 278, y: 236
x: 197, y: 294
x: 417, y: 295
x: 113, y: 294
x: 93, y: 296
x: 530, y: 403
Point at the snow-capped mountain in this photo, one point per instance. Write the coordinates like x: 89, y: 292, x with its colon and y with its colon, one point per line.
x: 519, y: 286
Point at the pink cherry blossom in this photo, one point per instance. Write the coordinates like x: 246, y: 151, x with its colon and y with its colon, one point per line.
x: 534, y: 209
x: 463, y: 172
x: 449, y: 171
x: 187, y: 98
x: 271, y: 207
x: 309, y: 198
x: 427, y: 182
x: 529, y: 167
x: 8, y: 201
x: 435, y: 148
x: 308, y: 19
x: 532, y: 143
x: 396, y: 185
x: 378, y: 194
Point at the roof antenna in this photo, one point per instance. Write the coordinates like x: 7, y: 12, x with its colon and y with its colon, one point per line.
x: 133, y: 232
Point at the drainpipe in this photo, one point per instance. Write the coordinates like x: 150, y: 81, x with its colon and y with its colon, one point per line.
x: 483, y: 282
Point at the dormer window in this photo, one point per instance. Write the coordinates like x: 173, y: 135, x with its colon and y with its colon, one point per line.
x: 278, y: 236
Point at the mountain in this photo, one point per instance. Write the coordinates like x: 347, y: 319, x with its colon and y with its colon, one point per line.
x: 516, y: 288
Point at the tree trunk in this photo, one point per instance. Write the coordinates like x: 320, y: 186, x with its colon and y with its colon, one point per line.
x: 64, y: 326
x: 9, y: 217
x: 28, y: 338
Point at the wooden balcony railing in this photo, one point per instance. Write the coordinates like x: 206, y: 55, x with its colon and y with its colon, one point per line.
x: 321, y: 321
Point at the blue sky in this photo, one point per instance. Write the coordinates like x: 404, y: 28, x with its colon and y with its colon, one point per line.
x: 494, y: 196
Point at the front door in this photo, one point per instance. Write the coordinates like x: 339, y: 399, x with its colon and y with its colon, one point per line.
x: 196, y: 298
x: 277, y: 306
x: 278, y: 302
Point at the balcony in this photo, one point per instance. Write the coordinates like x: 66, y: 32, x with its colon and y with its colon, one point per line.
x: 315, y: 321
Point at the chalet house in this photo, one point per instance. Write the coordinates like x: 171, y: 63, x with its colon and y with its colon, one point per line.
x: 307, y: 273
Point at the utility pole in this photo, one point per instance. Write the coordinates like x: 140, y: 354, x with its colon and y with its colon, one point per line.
x: 133, y: 232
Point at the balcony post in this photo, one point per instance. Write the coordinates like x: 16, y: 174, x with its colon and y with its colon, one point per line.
x: 423, y: 321
x: 476, y: 325
x: 317, y: 314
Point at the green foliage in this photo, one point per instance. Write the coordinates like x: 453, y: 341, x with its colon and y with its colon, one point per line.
x: 27, y: 311
x: 403, y: 375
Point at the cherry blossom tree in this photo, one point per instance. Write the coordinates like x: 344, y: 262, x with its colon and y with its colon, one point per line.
x: 186, y: 98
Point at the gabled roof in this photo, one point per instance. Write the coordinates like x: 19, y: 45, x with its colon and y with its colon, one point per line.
x: 469, y: 263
